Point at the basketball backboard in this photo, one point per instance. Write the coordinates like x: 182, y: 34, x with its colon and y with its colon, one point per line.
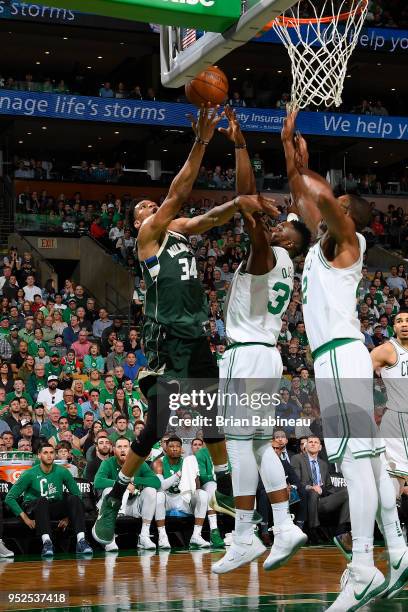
x: 185, y: 52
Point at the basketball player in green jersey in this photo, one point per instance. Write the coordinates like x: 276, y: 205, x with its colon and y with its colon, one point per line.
x: 176, y: 313
x: 332, y: 272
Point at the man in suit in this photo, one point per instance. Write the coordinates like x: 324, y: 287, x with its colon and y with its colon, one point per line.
x: 322, y: 496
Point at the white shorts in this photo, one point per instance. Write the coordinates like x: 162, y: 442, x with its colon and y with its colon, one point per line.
x: 344, y: 382
x: 253, y: 372
x: 394, y: 430
x: 176, y: 501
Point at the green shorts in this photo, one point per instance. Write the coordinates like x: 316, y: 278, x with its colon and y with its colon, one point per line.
x: 173, y: 358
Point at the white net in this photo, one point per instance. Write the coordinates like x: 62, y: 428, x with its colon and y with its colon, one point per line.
x: 320, y: 38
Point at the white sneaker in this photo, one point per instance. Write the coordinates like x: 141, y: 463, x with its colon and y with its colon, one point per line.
x: 199, y: 542
x: 5, y: 553
x: 164, y: 543
x: 397, y: 576
x: 146, y: 543
x: 359, y: 585
x: 288, y: 538
x: 242, y: 550
x: 112, y: 547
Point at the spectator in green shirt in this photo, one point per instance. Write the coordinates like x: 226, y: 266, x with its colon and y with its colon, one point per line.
x: 27, y: 333
x: 94, y: 361
x: 139, y: 500
x: 121, y: 430
x: 44, y: 500
x: 37, y: 381
x: 300, y: 333
x: 19, y: 391
x: 53, y: 368
x: 108, y: 390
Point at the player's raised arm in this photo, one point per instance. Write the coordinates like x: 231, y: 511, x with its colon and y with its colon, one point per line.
x: 297, y: 159
x: 182, y: 185
x: 220, y: 215
x: 245, y: 178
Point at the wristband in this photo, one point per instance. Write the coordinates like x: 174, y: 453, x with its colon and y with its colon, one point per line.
x: 241, y: 146
x: 236, y: 202
x: 201, y: 141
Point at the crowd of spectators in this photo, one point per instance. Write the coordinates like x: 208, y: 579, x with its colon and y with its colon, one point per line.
x: 68, y: 370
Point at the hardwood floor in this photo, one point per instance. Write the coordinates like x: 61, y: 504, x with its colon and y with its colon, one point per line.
x: 150, y: 582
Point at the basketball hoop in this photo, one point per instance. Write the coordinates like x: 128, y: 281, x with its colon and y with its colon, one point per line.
x: 320, y: 38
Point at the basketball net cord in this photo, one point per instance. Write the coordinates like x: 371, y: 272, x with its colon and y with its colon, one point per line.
x: 319, y: 47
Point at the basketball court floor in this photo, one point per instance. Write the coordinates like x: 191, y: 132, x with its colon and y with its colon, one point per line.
x: 179, y: 581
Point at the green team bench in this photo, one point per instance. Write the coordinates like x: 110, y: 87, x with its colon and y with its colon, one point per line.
x: 22, y: 540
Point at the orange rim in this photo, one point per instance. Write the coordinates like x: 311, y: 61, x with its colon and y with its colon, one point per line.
x: 292, y: 22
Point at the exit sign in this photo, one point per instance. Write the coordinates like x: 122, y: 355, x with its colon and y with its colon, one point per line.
x: 47, y: 243
x: 208, y: 15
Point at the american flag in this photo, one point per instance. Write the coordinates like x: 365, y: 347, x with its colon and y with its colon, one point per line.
x: 189, y: 36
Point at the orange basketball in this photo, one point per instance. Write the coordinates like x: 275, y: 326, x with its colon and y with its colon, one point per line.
x: 211, y: 85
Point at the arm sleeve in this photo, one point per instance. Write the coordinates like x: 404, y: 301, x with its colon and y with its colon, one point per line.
x: 167, y: 483
x: 147, y: 478
x: 103, y: 477
x: 16, y: 490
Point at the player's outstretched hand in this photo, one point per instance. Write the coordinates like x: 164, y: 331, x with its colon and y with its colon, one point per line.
x: 233, y: 131
x: 289, y: 122
x: 251, y: 204
x: 206, y: 122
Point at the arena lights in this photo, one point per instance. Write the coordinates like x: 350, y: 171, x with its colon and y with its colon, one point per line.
x: 116, y: 132
x: 43, y: 127
x: 100, y: 57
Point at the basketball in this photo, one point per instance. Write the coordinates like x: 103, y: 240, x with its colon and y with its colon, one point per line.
x: 211, y: 85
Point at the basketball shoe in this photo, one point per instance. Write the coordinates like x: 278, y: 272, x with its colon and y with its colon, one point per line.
x: 397, y: 576
x: 288, y: 538
x: 243, y: 549
x: 359, y: 585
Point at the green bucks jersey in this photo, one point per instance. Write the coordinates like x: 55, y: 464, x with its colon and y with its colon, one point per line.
x: 175, y: 297
x: 171, y: 469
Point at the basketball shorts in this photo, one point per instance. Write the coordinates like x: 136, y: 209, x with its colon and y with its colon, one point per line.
x: 394, y: 429
x: 250, y: 379
x: 344, y: 383
x: 175, y: 359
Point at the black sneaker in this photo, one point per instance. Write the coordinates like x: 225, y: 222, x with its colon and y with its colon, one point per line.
x: 47, y: 549
x: 83, y: 548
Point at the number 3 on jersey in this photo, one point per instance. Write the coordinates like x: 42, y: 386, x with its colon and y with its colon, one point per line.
x: 282, y: 294
x: 188, y: 271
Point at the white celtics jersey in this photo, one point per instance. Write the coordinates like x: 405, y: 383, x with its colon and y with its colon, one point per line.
x: 255, y: 304
x: 329, y: 298
x: 395, y: 378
